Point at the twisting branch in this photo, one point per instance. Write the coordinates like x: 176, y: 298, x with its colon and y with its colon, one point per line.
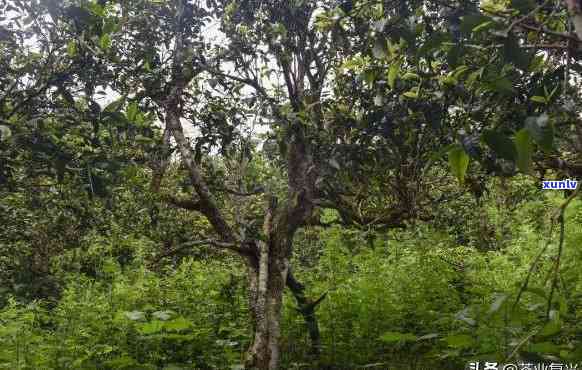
x: 206, y: 204
x: 540, y: 29
x: 532, y: 268
x: 521, y: 343
x: 550, y: 32
x: 560, y: 218
x: 194, y: 243
x: 525, y: 17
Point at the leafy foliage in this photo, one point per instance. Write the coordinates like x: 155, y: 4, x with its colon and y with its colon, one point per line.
x: 169, y: 168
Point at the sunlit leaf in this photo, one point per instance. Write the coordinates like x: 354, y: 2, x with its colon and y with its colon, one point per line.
x: 524, y: 148
x: 458, y: 162
x: 72, y: 48
x: 459, y: 340
x: 538, y: 99
x: 393, y: 74
x: 105, y: 41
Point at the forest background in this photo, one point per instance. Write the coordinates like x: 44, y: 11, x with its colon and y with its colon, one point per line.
x: 359, y: 185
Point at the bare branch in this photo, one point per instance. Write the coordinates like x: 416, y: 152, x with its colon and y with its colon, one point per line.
x: 194, y: 243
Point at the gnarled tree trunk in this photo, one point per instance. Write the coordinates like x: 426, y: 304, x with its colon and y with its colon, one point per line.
x: 267, y: 279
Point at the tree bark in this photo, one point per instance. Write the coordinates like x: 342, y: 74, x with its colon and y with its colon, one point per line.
x: 267, y: 276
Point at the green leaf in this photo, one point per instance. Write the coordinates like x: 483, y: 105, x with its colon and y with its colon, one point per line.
x: 105, y: 41
x: 459, y: 341
x: 501, y: 85
x: 152, y: 327
x: 5, y: 132
x: 459, y: 71
x: 97, y: 9
x: 410, y: 76
x: 132, y: 111
x: 552, y: 328
x: 538, y: 99
x: 72, y: 48
x: 397, y: 337
x: 459, y: 162
x: 483, y: 26
x: 524, y: 148
x: 178, y: 324
x: 143, y: 139
x: 369, y: 76
x: 500, y: 144
x: 393, y: 74
x: 470, y: 22
x: 412, y: 94
x: 110, y: 25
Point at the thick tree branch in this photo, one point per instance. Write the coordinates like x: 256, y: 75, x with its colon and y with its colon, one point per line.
x: 188, y: 204
x: 570, y: 168
x: 206, y: 204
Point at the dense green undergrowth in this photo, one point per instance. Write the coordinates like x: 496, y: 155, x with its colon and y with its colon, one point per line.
x: 405, y: 299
